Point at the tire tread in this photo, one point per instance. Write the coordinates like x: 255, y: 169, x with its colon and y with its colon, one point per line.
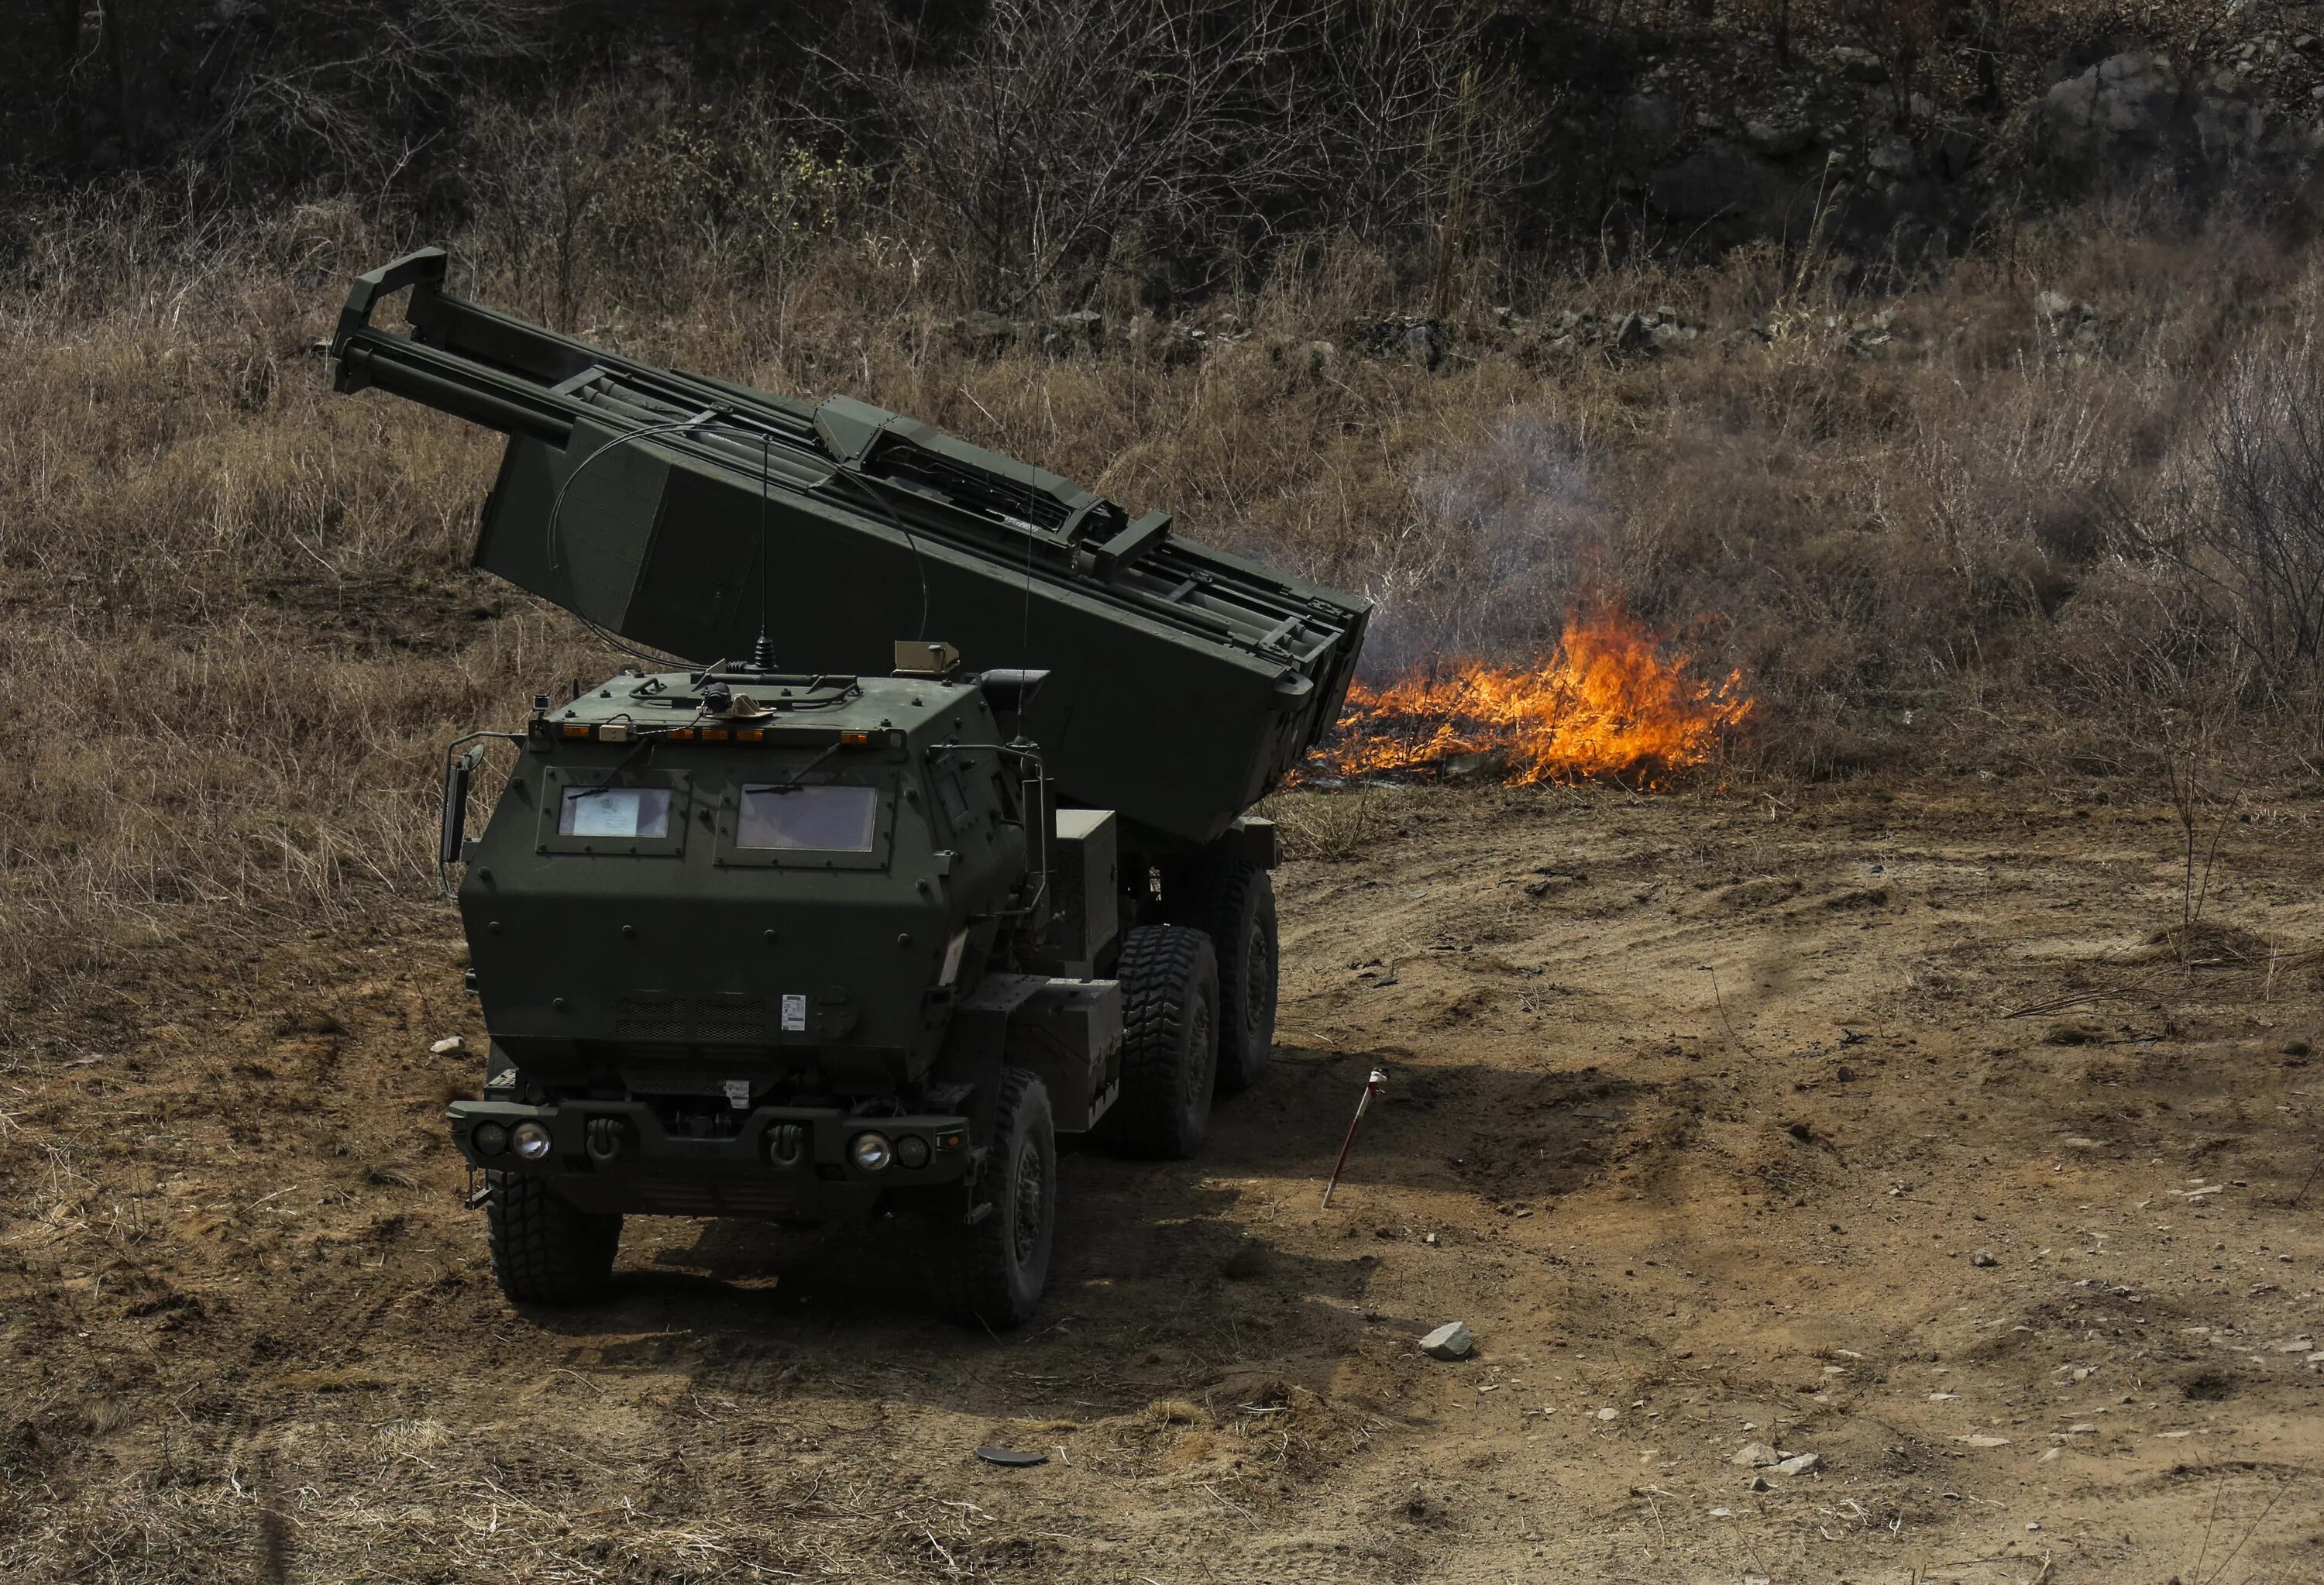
x: 1217, y: 895
x: 971, y: 1263
x: 1160, y: 965
x: 547, y: 1250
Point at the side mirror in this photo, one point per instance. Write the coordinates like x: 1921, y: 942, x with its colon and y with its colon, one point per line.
x: 456, y: 773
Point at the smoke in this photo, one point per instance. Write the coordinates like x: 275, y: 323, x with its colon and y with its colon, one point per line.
x: 1503, y: 540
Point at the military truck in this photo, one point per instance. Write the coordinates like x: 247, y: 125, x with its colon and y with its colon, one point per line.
x: 862, y: 930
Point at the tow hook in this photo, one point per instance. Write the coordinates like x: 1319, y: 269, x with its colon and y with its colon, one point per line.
x: 604, y: 1138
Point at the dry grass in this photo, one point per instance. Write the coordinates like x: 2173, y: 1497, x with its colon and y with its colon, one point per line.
x: 240, y: 625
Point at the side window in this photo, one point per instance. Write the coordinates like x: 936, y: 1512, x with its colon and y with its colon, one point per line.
x: 830, y: 817
x: 615, y: 811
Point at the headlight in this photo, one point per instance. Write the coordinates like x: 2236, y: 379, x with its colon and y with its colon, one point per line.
x: 532, y: 1141
x: 489, y: 1139
x: 911, y: 1150
x: 870, y: 1152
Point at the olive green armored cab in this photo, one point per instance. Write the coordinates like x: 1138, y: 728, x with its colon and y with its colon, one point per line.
x: 823, y: 917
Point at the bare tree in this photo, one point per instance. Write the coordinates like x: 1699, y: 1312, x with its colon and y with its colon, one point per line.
x: 1069, y: 135
x: 1066, y: 128
x: 1418, y: 123
x: 340, y: 86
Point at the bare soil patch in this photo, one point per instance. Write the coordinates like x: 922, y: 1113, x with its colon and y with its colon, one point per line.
x: 1727, y: 1136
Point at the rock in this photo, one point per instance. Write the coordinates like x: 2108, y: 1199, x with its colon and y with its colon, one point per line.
x: 1082, y: 327
x: 2124, y: 104
x: 1453, y: 1340
x: 1632, y: 334
x: 450, y: 1046
x: 1757, y: 1455
x: 1609, y: 1414
x: 1757, y: 1483
x: 1799, y: 1464
x: 1891, y: 156
x: 1982, y: 1440
x: 1860, y: 65
x: 2227, y: 127
x: 1647, y: 119
x: 1424, y: 346
x: 1984, y: 1257
x: 982, y: 330
x: 1725, y: 182
x: 1777, y: 140
x: 1715, y: 179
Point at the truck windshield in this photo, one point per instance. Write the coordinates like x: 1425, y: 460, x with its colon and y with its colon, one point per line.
x: 826, y: 818
x: 615, y: 811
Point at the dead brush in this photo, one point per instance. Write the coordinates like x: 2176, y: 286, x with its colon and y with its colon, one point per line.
x: 240, y: 625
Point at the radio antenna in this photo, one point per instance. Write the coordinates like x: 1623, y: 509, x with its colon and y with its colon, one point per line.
x: 762, y: 653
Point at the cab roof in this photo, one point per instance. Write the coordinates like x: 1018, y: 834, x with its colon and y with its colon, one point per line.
x: 672, y: 699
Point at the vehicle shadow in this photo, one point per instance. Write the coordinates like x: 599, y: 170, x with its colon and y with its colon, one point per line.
x: 1158, y: 1287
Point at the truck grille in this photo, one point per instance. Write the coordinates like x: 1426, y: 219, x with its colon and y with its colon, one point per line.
x: 730, y: 1020
x: 649, y: 1017
x: 677, y: 1195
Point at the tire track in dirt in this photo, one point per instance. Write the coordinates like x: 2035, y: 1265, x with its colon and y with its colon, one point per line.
x: 1680, y: 1215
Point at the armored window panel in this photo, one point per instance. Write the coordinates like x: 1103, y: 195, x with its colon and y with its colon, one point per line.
x: 597, y: 812
x: 835, y: 818
x: 615, y: 811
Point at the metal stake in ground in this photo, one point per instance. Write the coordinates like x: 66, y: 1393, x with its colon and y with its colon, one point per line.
x: 1371, y: 1087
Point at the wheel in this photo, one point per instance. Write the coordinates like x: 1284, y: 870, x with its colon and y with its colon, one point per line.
x: 545, y: 1249
x: 1169, y: 1043
x: 990, y: 1272
x: 1233, y: 903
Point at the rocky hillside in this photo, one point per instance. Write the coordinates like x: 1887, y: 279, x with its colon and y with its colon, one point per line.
x: 1718, y: 140
x: 1522, y: 131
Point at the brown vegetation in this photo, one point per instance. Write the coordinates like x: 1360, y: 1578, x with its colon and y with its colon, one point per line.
x: 2051, y: 514
x: 1963, y: 524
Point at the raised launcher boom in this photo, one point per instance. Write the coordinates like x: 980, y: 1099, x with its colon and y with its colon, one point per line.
x: 1184, y: 681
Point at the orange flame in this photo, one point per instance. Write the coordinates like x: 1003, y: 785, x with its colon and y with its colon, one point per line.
x: 1607, y: 703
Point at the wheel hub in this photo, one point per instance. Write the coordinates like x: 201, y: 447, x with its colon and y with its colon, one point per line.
x: 1032, y: 1190
x: 1198, y: 1066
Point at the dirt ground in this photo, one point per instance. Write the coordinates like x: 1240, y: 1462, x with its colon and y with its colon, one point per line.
x: 1875, y: 1126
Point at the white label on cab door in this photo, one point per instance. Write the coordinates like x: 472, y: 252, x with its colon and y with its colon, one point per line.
x: 794, y: 1014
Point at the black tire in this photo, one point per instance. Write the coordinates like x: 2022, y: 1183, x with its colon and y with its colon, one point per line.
x: 1169, y: 977
x: 990, y: 1272
x: 1233, y: 903
x: 546, y: 1250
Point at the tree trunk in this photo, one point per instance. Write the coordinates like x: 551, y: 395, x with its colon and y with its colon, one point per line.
x: 121, y: 67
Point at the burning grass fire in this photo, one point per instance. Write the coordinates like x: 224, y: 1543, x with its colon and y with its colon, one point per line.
x: 1607, y: 703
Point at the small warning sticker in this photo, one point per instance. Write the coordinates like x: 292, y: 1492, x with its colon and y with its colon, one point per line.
x: 738, y: 1094
x: 793, y: 1013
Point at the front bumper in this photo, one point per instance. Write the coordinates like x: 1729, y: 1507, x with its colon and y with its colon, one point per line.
x: 617, y: 1156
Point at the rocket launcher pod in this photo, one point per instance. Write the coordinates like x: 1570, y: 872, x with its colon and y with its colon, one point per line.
x: 682, y: 512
